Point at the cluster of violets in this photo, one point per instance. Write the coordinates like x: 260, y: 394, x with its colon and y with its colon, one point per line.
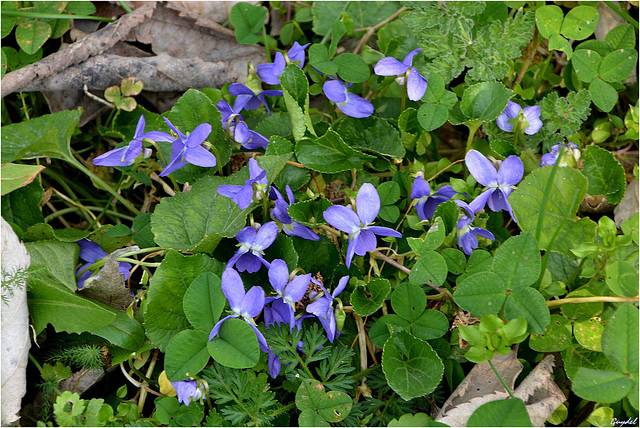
x: 499, y: 179
x: 189, y: 149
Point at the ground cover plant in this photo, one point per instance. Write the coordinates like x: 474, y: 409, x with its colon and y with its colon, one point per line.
x: 399, y: 214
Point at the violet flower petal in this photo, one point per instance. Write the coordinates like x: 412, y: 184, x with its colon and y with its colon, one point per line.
x: 233, y: 289
x: 335, y: 91
x: 481, y: 168
x: 511, y: 171
x: 253, y: 302
x: 367, y: 203
x: 389, y: 66
x: 416, y: 85
x: 408, y: 60
x: 200, y: 156
x: 342, y: 218
x: 278, y: 275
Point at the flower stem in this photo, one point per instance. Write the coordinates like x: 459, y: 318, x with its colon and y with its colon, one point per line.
x: 104, y: 185
x: 473, y: 126
x: 620, y: 12
x: 283, y: 409
x: 266, y: 42
x: 591, y: 299
x: 27, y: 14
x: 501, y: 380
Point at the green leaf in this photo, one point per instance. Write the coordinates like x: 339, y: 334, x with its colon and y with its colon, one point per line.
x: 501, y: 413
x: 372, y: 134
x: 559, y: 43
x: 603, y: 95
x: 485, y: 101
x: 282, y: 248
x: 31, y: 34
x: 47, y: 135
x: 455, y: 259
x: 529, y: 303
x: 57, y: 259
x: 547, y: 205
x: 186, y: 354
x: 123, y: 332
x: 352, y: 68
x: 317, y: 256
x: 319, y: 407
x: 601, y: 386
x: 143, y: 236
x: 195, y: 108
x: 164, y: 314
x: 295, y: 91
x: 580, y: 22
x: 44, y: 232
x: 248, y: 20
x: 588, y: 333
x: 328, y: 154
x: 51, y: 302
x: 618, y: 65
x: 578, y: 311
x: 383, y: 326
x: 549, y: 20
x: 586, y: 63
x: 309, y: 212
x: 204, y: 301
x: 517, y: 261
x: 368, y: 298
x: 481, y: 293
x: 434, y: 238
x: 563, y: 114
x: 622, y: 278
x: 412, y: 368
x: 620, y: 339
x: 575, y: 357
x: 432, y: 116
x: 431, y: 324
x: 15, y: 176
x: 605, y: 174
x: 236, y: 346
x: 408, y: 301
x: 279, y: 123
x: 429, y: 269
x: 197, y: 220
x: 556, y: 336
x: 319, y: 58
x: 621, y: 37
x: 414, y: 420
x: 22, y: 206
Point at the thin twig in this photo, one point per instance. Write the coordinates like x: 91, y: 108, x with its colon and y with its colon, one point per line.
x: 376, y: 27
x: 85, y: 88
x: 591, y: 299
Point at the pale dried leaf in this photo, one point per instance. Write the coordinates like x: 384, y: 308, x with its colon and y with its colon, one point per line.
x: 629, y: 204
x: 108, y: 286
x: 15, y: 342
x: 539, y: 392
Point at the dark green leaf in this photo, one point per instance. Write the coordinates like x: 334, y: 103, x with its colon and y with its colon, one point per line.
x: 621, y: 37
x: 618, y: 65
x: 352, y: 68
x: 601, y: 386
x: 622, y: 278
x: 368, y: 298
x: 372, y: 134
x: 455, y: 259
x: 485, y: 101
x: 411, y: 366
x: 603, y: 95
x: 186, y: 354
x: 381, y: 330
x: 605, y: 174
x: 204, y: 301
x: 528, y: 302
x: 481, y: 293
x: 309, y: 212
x: 431, y: 324
x: 580, y: 22
x: 501, y: 413
x: 236, y: 346
x: 620, y: 339
x: 248, y: 20
x: 328, y: 154
x: 31, y: 35
x: 408, y: 301
x: 517, y: 261
x: 429, y: 269
x: 164, y: 314
x: 22, y: 206
x: 317, y: 256
x: 123, y: 332
x: 556, y: 336
x: 319, y: 58
x: 57, y: 259
x: 586, y: 63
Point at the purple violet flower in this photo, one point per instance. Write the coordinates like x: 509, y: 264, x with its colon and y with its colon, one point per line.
x: 91, y: 252
x: 270, y: 72
x: 281, y: 215
x: 511, y: 114
x: 362, y: 237
x: 247, y: 99
x: 245, y: 306
x: 550, y: 158
x: 467, y: 234
x: 348, y: 103
x: 187, y: 390
x: 244, y: 195
x: 428, y: 201
x: 322, y: 308
x: 288, y: 292
x: 124, y: 156
x: 188, y: 149
x: 500, y: 183
x: 238, y: 130
x: 249, y: 256
x: 416, y: 84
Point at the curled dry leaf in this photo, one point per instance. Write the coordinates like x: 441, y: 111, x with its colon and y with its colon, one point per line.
x: 629, y: 204
x: 15, y: 323
x: 539, y: 392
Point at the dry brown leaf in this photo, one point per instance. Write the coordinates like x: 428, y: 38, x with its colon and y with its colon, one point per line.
x: 538, y: 391
x: 629, y: 204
